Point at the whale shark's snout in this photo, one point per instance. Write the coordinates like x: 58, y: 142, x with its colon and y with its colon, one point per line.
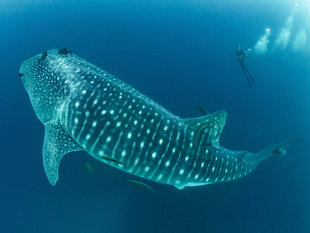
x: 41, y: 84
x: 29, y: 65
x: 28, y: 71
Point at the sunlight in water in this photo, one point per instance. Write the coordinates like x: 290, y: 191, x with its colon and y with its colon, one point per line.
x: 284, y: 36
x: 261, y: 46
x: 300, y: 41
x: 291, y: 35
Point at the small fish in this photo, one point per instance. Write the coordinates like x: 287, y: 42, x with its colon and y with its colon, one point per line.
x: 90, y: 169
x: 65, y: 51
x: 44, y: 55
x: 112, y: 160
x: 203, y: 109
x: 141, y: 184
x: 279, y: 151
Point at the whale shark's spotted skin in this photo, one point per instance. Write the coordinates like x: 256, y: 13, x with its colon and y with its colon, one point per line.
x: 85, y: 108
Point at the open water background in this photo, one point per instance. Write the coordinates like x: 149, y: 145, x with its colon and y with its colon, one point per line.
x: 181, y: 54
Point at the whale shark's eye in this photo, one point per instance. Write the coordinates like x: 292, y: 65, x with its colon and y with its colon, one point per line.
x: 20, y: 74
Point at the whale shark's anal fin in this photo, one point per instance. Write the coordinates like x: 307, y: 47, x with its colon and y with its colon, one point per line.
x: 56, y: 144
x: 207, y: 129
x: 277, y: 149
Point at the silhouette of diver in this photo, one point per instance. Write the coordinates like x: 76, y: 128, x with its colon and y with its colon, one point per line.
x: 241, y: 57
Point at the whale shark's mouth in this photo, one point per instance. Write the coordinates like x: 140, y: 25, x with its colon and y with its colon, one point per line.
x: 20, y: 75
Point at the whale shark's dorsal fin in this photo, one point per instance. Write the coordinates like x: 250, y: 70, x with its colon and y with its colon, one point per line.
x: 207, y: 129
x: 57, y: 143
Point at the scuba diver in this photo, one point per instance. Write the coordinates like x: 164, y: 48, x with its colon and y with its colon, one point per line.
x: 241, y: 57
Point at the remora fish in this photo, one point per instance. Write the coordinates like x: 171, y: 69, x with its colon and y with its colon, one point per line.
x: 203, y: 109
x: 141, y: 184
x: 84, y: 108
x: 90, y: 169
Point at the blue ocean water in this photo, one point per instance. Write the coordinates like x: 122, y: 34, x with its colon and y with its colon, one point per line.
x: 181, y: 54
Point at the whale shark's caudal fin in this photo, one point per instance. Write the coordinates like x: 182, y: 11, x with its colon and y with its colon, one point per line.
x: 57, y: 143
x: 279, y: 148
x: 207, y: 129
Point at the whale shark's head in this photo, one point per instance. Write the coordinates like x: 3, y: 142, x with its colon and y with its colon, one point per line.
x: 44, y: 81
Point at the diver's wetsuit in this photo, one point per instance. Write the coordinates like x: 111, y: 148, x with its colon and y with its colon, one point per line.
x: 241, y: 55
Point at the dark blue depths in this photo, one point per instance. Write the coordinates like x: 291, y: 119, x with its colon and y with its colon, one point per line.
x: 181, y: 55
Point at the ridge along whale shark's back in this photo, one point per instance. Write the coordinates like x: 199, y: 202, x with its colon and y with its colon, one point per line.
x: 85, y: 108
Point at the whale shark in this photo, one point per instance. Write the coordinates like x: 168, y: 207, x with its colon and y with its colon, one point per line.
x: 85, y: 108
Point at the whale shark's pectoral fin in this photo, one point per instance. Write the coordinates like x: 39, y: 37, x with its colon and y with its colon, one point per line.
x: 57, y: 143
x: 207, y: 129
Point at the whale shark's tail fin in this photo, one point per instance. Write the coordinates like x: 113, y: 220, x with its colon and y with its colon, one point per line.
x: 279, y: 148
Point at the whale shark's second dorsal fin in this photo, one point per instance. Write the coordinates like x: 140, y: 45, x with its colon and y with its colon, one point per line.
x: 207, y: 129
x: 57, y: 143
